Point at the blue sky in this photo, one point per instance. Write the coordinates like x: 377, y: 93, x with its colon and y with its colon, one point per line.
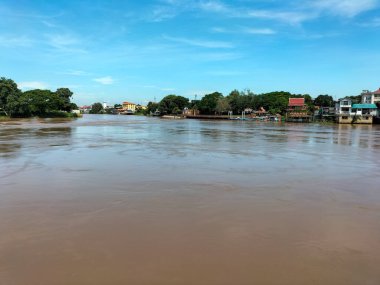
x: 116, y: 51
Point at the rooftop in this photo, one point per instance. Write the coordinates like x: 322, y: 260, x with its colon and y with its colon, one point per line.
x: 377, y: 92
x: 364, y: 106
x: 296, y: 101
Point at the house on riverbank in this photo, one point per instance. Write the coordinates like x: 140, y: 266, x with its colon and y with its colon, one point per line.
x: 297, y: 111
x: 343, y: 111
x: 361, y: 113
x: 128, y: 108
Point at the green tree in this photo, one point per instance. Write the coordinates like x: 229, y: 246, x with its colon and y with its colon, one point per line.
x: 324, y: 101
x: 172, y: 103
x: 356, y: 99
x: 276, y: 101
x: 37, y: 102
x: 9, y: 94
x: 151, y: 108
x: 74, y: 106
x: 222, y: 106
x: 208, y: 103
x: 97, y: 108
x: 64, y: 95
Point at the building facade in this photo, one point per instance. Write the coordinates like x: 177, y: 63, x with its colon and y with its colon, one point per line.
x: 363, y: 113
x: 343, y: 111
x: 129, y: 107
x: 297, y: 111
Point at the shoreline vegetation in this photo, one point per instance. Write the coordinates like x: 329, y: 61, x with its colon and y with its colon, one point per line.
x: 15, y: 103
x: 216, y: 104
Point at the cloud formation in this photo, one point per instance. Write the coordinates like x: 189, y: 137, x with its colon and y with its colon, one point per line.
x: 107, y: 80
x: 15, y: 41
x: 28, y: 85
x: 200, y: 43
x: 345, y: 8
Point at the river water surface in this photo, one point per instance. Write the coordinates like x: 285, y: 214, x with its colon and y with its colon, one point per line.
x: 135, y: 200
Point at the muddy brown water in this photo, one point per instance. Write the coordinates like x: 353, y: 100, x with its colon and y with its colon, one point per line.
x: 134, y: 200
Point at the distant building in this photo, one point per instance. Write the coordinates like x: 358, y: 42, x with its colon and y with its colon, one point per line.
x: 85, y: 109
x: 129, y: 107
x: 190, y: 112
x: 260, y: 113
x: 297, y: 111
x: 343, y: 111
x: 141, y: 107
x: 363, y: 113
x: 370, y: 97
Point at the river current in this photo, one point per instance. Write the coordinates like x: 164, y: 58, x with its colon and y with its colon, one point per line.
x: 136, y: 200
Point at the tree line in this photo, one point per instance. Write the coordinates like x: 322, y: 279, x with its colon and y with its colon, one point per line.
x: 37, y: 102
x: 237, y: 102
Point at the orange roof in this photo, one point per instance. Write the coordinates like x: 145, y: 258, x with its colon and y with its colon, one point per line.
x: 296, y: 101
x: 128, y: 103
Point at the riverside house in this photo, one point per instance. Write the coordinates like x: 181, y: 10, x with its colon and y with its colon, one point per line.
x: 128, y: 108
x: 343, y: 111
x: 297, y: 111
x: 363, y: 113
x: 371, y: 97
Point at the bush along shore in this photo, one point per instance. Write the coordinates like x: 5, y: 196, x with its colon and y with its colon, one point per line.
x: 236, y: 102
x: 34, y: 103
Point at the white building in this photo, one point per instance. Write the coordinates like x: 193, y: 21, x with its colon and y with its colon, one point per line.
x: 343, y: 111
x: 370, y: 97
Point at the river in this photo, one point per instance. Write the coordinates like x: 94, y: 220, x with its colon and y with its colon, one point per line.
x: 136, y: 200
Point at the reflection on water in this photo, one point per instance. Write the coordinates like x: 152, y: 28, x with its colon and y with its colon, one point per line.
x: 12, y: 140
x: 133, y: 200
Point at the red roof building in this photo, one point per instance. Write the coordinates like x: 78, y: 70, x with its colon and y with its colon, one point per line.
x: 296, y: 102
x: 377, y: 92
x: 297, y: 111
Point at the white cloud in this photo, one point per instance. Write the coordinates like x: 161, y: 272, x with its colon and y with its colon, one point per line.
x: 245, y: 30
x: 77, y: 73
x: 200, y: 43
x: 215, y: 56
x: 49, y: 24
x: 65, y: 43
x: 346, y: 8
x: 374, y: 23
x: 28, y: 85
x: 263, y: 31
x: 290, y: 17
x: 213, y: 6
x: 163, y: 13
x: 21, y: 41
x: 219, y: 30
x: 294, y: 13
x: 107, y: 80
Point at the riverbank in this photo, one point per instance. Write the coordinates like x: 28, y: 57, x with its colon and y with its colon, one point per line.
x: 4, y: 118
x: 51, y: 115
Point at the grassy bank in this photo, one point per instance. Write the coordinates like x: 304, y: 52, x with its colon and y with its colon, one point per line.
x: 4, y: 118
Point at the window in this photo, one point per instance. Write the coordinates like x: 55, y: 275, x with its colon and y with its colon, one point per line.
x: 367, y: 99
x: 344, y: 117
